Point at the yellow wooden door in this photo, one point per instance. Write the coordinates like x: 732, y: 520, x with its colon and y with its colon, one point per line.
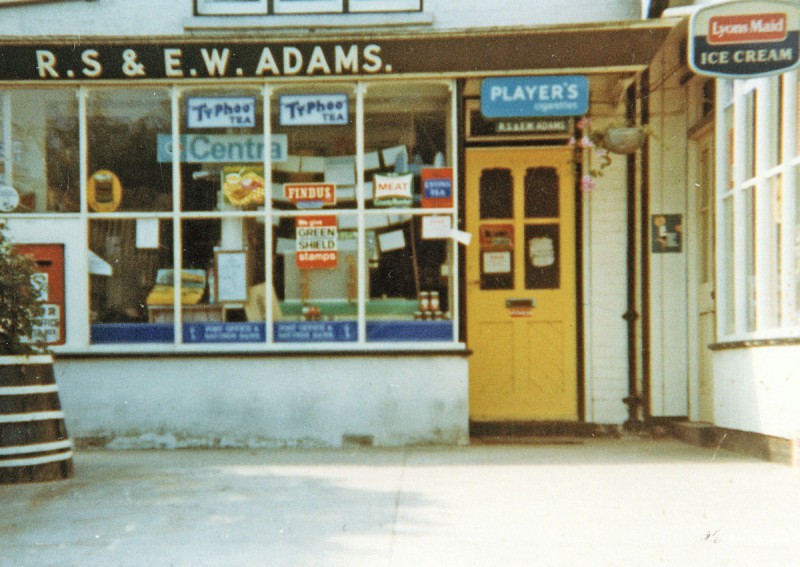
x: 521, y: 297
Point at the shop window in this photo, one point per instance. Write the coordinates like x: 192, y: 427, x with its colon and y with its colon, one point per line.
x: 39, y: 156
x: 131, y: 280
x: 349, y: 237
x: 408, y: 169
x: 796, y: 252
x: 222, y: 156
x: 130, y: 163
x: 224, y: 258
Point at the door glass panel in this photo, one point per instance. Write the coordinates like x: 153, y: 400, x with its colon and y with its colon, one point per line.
x: 541, y: 193
x: 542, y: 262
x: 496, y: 194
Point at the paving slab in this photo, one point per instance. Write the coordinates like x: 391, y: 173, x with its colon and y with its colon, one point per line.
x: 605, y: 502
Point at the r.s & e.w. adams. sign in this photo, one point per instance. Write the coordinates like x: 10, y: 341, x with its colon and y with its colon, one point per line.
x: 745, y: 39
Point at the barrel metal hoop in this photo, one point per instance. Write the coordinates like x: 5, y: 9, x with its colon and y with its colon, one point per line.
x: 35, y: 416
x: 23, y: 390
x: 31, y: 461
x: 37, y: 448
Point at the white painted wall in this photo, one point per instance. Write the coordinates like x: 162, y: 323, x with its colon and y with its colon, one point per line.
x: 265, y: 401
x: 157, y: 17
x: 669, y: 371
x: 605, y: 294
x: 758, y: 390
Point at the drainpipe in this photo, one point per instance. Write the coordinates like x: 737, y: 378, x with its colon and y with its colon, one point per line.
x: 634, y: 399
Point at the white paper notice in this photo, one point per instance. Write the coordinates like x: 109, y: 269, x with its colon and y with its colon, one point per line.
x: 436, y: 227
x: 461, y: 237
x: 231, y: 276
x: 146, y: 233
x: 394, y: 240
x: 496, y: 262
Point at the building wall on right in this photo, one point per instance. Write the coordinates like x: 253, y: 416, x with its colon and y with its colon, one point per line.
x: 756, y: 357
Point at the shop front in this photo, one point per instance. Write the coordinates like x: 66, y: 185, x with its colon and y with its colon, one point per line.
x: 312, y: 242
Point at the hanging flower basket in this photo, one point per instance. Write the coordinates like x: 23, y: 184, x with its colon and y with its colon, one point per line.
x: 623, y: 140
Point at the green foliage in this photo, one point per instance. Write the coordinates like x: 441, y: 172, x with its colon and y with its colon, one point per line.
x: 19, y: 303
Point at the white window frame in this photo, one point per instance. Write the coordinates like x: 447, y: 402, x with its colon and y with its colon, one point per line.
x: 228, y: 7
x: 80, y: 331
x: 774, y: 300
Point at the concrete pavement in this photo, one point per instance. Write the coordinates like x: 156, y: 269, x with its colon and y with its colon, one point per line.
x: 603, y: 502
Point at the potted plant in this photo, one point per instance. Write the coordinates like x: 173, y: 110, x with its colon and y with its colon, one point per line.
x: 600, y: 143
x: 34, y: 445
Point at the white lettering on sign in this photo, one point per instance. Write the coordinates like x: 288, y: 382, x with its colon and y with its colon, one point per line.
x: 214, y: 62
x: 747, y: 28
x: 558, y: 92
x: 748, y: 56
x: 317, y: 242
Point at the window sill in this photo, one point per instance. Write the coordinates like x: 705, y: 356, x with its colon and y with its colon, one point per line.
x: 753, y: 343
x: 321, y: 21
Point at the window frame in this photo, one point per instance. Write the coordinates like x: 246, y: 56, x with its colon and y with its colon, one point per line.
x: 766, y: 306
x: 80, y: 340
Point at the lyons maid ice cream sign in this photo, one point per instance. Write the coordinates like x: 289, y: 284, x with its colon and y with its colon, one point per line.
x: 745, y: 39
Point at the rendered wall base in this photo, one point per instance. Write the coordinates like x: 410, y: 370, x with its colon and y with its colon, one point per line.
x: 313, y: 401
x: 757, y: 389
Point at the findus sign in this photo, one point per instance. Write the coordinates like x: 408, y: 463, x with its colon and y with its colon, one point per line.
x: 745, y: 39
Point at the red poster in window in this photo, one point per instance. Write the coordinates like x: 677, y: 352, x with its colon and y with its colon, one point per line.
x: 49, y: 327
x: 317, y: 242
x: 437, y: 187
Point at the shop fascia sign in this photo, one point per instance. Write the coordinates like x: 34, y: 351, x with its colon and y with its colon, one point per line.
x: 222, y: 148
x: 534, y: 96
x: 745, y: 39
x: 189, y: 61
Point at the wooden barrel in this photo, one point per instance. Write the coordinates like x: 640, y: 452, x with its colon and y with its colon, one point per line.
x: 34, y: 446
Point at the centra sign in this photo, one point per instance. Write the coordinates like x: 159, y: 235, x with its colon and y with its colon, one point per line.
x: 745, y: 39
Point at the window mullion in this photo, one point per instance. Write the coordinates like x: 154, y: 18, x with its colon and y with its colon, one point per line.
x: 789, y: 202
x: 268, y: 234
x: 763, y: 237
x: 739, y: 224
x: 177, y: 236
x: 362, y: 233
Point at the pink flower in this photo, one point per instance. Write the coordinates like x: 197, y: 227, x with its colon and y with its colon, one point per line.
x: 587, y: 183
x: 586, y: 142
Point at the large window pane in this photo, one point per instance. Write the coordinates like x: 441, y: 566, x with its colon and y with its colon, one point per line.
x: 222, y: 136
x: 131, y: 278
x: 410, y: 278
x: 317, y: 124
x: 750, y: 257
x: 224, y: 259
x: 749, y: 134
x: 39, y: 156
x: 315, y: 278
x: 129, y: 167
x: 407, y: 139
x: 730, y: 265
